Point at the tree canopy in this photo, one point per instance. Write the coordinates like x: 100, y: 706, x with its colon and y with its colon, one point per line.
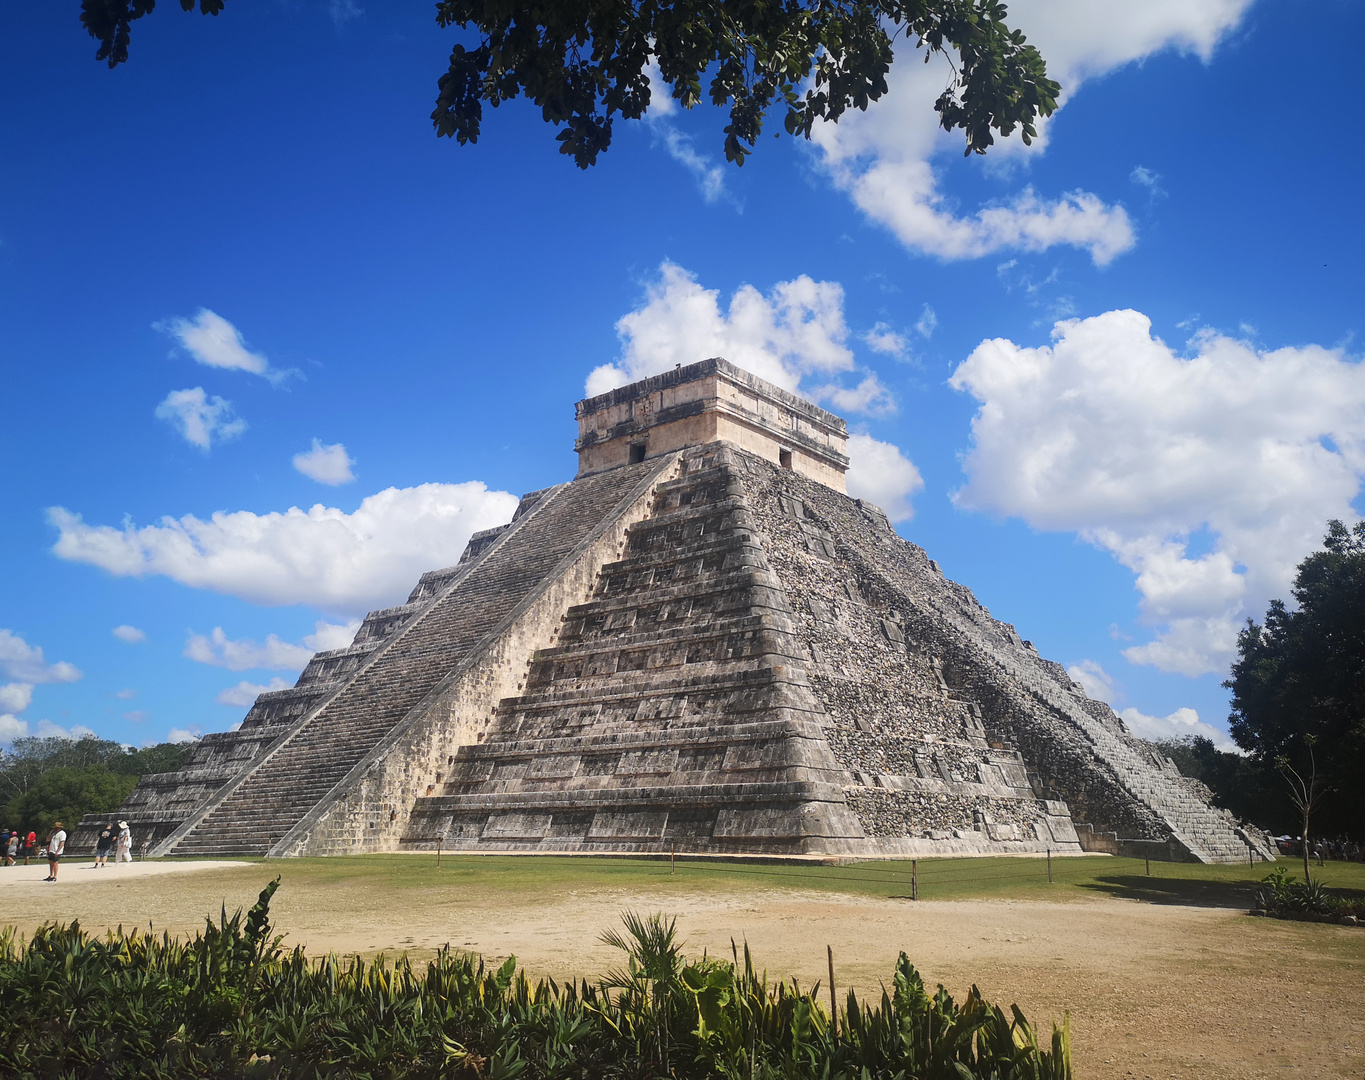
x: 1301, y: 675
x: 585, y: 62
x: 43, y: 780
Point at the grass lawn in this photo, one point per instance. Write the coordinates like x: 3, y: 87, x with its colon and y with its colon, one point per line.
x: 935, y: 879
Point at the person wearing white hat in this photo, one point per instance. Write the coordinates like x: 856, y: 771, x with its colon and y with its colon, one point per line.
x: 125, y: 844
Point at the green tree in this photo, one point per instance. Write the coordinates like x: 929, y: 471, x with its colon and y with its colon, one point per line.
x: 67, y: 794
x: 43, y: 780
x: 163, y: 757
x: 584, y: 62
x: 1299, y: 680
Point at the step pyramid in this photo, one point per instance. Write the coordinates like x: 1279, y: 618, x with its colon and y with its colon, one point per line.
x: 701, y: 644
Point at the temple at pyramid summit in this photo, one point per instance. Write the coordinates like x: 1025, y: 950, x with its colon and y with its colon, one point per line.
x: 699, y: 644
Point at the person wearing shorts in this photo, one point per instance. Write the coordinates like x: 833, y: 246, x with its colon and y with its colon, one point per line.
x: 103, y: 844
x: 56, y: 844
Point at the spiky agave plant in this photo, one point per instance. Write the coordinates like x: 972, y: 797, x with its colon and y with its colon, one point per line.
x: 647, y: 987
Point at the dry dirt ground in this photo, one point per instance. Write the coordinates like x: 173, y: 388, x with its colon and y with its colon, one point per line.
x: 1153, y: 990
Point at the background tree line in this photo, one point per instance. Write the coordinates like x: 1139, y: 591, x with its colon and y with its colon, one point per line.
x: 55, y: 779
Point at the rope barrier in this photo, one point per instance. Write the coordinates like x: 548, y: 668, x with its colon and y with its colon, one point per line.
x: 912, y: 878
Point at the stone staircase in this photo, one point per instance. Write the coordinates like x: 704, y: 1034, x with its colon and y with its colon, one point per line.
x: 449, y: 614
x: 673, y: 711
x: 1205, y: 832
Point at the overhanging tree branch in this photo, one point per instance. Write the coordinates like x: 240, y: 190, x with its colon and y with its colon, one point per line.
x: 586, y: 62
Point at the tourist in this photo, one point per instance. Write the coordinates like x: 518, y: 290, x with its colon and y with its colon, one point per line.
x: 29, y: 845
x: 12, y: 847
x: 56, y: 844
x: 125, y: 844
x: 103, y: 844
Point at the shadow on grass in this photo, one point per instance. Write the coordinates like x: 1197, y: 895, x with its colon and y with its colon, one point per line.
x: 1185, y: 891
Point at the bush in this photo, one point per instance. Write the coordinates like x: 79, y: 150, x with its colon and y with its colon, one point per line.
x: 232, y: 1004
x: 1285, y: 897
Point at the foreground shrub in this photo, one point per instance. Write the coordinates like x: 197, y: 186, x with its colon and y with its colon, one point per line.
x: 1281, y: 895
x: 231, y: 1003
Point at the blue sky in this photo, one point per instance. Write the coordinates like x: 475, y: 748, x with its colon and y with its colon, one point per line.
x: 270, y: 349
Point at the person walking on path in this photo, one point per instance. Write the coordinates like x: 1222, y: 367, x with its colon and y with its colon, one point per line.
x: 30, y: 845
x: 12, y: 848
x: 56, y: 844
x: 125, y: 843
x: 102, y: 846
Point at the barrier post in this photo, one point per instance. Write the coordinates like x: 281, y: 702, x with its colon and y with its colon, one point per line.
x: 1148, y: 861
x: 439, y: 841
x: 914, y: 879
x: 833, y: 1007
x: 672, y: 858
x: 1049, y: 866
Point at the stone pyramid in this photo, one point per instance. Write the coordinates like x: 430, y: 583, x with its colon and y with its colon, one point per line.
x: 700, y: 644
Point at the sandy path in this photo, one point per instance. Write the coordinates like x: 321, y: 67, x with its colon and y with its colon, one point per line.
x: 1153, y: 991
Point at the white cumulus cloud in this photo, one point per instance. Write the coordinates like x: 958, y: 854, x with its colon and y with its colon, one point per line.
x: 883, y: 158
x: 244, y: 654
x: 273, y: 654
x: 881, y: 474
x: 869, y: 397
x: 200, y: 419
x: 214, y: 342
x: 1178, y: 725
x: 1209, y: 475
x: 883, y: 339
x: 796, y: 331
x: 15, y: 697
x: 1094, y: 680
x: 26, y: 663
x: 182, y: 735
x: 327, y: 636
x: 326, y: 464
x: 130, y: 634
x: 244, y: 694
x: 347, y: 563
x: 28, y: 667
